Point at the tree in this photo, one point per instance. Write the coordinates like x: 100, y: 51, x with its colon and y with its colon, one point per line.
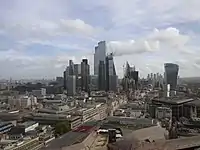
x: 62, y: 128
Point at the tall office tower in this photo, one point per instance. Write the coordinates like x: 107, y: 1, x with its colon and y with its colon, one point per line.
x: 68, y: 71
x: 111, y: 77
x: 64, y: 80
x: 101, y: 76
x: 65, y: 75
x: 154, y: 76
x: 127, y: 70
x: 93, y: 82
x: 77, y: 73
x: 151, y: 76
x: 135, y: 77
x: 148, y: 77
x: 171, y: 74
x: 77, y: 69
x: 71, y: 85
x: 71, y: 67
x: 99, y: 55
x: 85, y: 74
x: 157, y: 76
x: 132, y: 68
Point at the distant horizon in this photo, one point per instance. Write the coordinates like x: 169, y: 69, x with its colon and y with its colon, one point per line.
x: 54, y: 78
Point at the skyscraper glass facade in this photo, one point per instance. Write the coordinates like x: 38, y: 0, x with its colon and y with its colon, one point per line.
x: 171, y: 74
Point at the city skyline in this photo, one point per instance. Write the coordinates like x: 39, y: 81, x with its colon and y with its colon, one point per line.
x: 37, y: 39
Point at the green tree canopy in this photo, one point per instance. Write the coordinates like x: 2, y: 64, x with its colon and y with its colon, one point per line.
x: 62, y: 128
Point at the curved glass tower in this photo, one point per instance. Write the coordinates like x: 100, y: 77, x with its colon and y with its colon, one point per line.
x: 171, y: 75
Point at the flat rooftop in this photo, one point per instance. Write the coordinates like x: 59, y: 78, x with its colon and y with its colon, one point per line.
x: 128, y: 120
x: 2, y: 123
x: 28, y: 123
x: 70, y: 138
x: 67, y: 139
x: 174, y: 101
x: 194, y: 103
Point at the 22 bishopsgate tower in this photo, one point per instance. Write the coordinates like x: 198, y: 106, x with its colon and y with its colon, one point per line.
x: 104, y: 68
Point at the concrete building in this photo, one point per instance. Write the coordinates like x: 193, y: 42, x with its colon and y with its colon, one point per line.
x: 71, y: 85
x: 19, y: 131
x: 29, y: 125
x: 101, y: 111
x: 5, y: 127
x: 181, y: 107
x: 99, y: 55
x: 48, y: 119
x: 92, y: 112
x: 163, y: 112
x: 60, y: 107
x: 22, y: 102
x: 39, y: 93
x: 87, y: 114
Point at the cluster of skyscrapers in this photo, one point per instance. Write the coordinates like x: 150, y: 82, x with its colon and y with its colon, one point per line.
x: 156, y: 80
x: 131, y: 77
x: 104, y: 68
x: 77, y: 76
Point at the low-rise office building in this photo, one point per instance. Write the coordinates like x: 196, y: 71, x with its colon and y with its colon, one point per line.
x: 180, y: 106
x: 5, y: 127
x: 22, y: 102
x: 87, y: 114
x: 163, y: 112
x: 39, y: 93
x: 22, y: 129
x: 46, y: 118
x: 29, y: 125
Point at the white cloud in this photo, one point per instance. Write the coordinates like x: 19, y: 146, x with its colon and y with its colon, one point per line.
x: 120, y: 48
x: 55, y: 44
x: 170, y: 38
x: 78, y: 26
x: 22, y: 65
x: 42, y: 29
x: 152, y: 12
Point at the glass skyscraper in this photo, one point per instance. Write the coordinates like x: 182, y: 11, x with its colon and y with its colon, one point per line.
x: 111, y: 77
x: 99, y: 55
x: 171, y: 75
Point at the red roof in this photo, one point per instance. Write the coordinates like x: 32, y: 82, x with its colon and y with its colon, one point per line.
x: 83, y: 129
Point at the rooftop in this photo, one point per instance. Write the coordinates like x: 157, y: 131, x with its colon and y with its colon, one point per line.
x: 176, y: 101
x: 129, y: 120
x: 4, y: 123
x: 28, y: 123
x: 76, y: 136
x: 194, y: 103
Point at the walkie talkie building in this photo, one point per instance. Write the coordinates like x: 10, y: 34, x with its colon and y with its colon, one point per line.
x: 171, y: 75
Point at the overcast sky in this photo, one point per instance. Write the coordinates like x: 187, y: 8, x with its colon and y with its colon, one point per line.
x: 38, y: 37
